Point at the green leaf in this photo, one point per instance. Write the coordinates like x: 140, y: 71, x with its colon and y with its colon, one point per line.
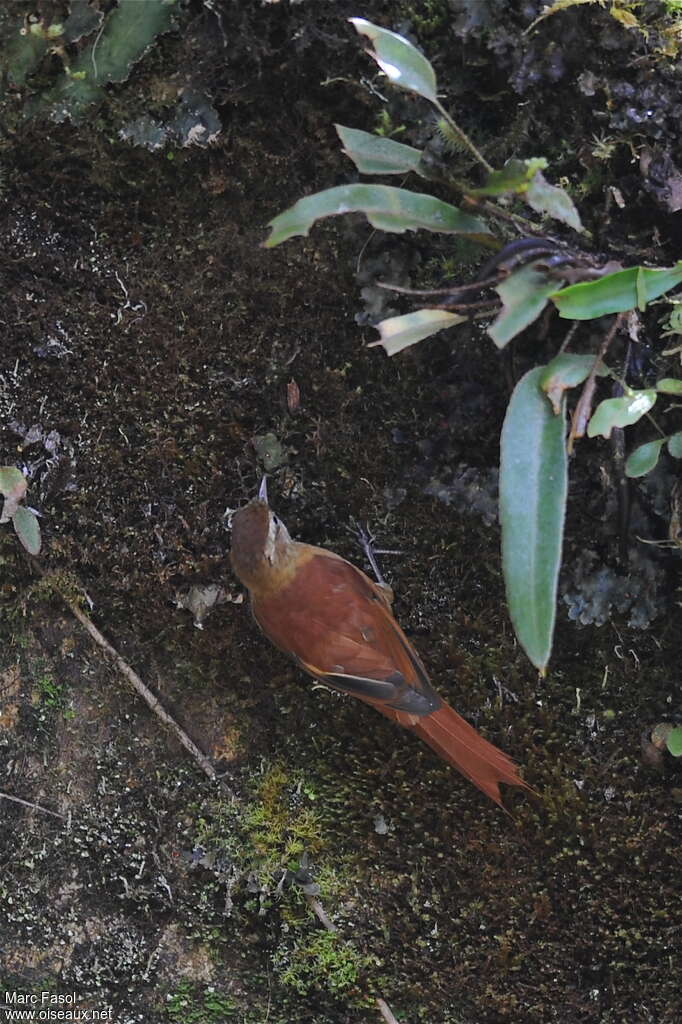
x: 675, y: 445
x: 82, y: 20
x: 643, y: 459
x: 674, y: 741
x: 515, y: 177
x: 12, y: 481
x: 620, y: 412
x: 402, y: 63
x: 13, y: 487
x: 555, y: 202
x: 669, y: 386
x: 640, y: 288
x: 567, y: 370
x: 373, y: 154
x: 524, y: 296
x: 129, y: 31
x: 615, y: 293
x: 533, y: 485
x: 23, y: 53
x: 399, y: 332
x: 25, y: 523
x: 674, y: 322
x: 387, y: 208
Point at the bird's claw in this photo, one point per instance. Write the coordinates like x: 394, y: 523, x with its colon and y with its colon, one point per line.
x: 366, y: 541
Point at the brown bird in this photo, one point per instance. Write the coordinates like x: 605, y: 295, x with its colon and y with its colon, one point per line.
x: 338, y: 626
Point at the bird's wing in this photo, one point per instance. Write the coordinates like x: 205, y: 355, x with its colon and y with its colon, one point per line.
x: 339, y: 627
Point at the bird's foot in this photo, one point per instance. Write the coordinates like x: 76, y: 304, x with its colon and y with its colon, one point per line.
x: 366, y: 541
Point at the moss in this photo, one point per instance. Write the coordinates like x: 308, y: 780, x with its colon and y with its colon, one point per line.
x: 189, y: 1003
x: 428, y: 18
x: 51, y: 693
x: 278, y: 824
x: 269, y: 833
x: 325, y: 962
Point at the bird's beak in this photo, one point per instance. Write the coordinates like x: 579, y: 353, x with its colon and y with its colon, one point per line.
x: 263, y: 490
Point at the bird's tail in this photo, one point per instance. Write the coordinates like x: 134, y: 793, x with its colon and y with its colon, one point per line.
x: 460, y: 745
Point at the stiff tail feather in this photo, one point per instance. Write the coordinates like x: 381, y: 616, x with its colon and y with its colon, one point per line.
x: 460, y: 745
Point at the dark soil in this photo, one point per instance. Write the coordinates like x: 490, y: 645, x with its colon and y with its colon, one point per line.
x: 149, y: 342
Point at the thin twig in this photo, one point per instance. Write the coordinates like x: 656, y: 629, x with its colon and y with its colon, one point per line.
x: 321, y: 914
x: 569, y: 336
x: 385, y: 1011
x: 35, y: 807
x: 581, y: 413
x: 473, y: 286
x: 142, y: 689
x: 489, y: 305
x: 511, y: 218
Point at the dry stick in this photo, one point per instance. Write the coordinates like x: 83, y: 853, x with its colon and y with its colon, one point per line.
x: 569, y: 336
x: 35, y: 807
x: 321, y: 914
x: 490, y: 306
x: 142, y: 689
x: 385, y: 1011
x: 518, y: 221
x: 473, y: 286
x: 581, y: 413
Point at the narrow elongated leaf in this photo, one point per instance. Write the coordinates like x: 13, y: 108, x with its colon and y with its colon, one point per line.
x: 27, y: 529
x: 669, y: 386
x: 373, y: 154
x: 399, y: 332
x: 675, y: 445
x: 524, y: 295
x: 615, y: 293
x: 552, y: 200
x: 402, y: 63
x: 514, y: 177
x: 620, y: 412
x: 567, y: 370
x: 387, y: 208
x: 533, y: 485
x: 643, y: 459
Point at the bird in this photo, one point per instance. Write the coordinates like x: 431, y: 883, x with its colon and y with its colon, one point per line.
x: 338, y: 626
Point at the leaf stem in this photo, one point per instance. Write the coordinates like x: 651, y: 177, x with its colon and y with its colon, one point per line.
x: 581, y: 413
x: 463, y: 136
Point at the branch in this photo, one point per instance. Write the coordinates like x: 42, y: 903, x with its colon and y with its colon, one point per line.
x: 36, y: 807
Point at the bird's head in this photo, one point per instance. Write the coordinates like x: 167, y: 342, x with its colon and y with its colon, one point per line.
x: 261, y: 544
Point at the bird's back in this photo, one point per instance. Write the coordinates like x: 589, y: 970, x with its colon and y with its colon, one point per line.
x: 339, y: 626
